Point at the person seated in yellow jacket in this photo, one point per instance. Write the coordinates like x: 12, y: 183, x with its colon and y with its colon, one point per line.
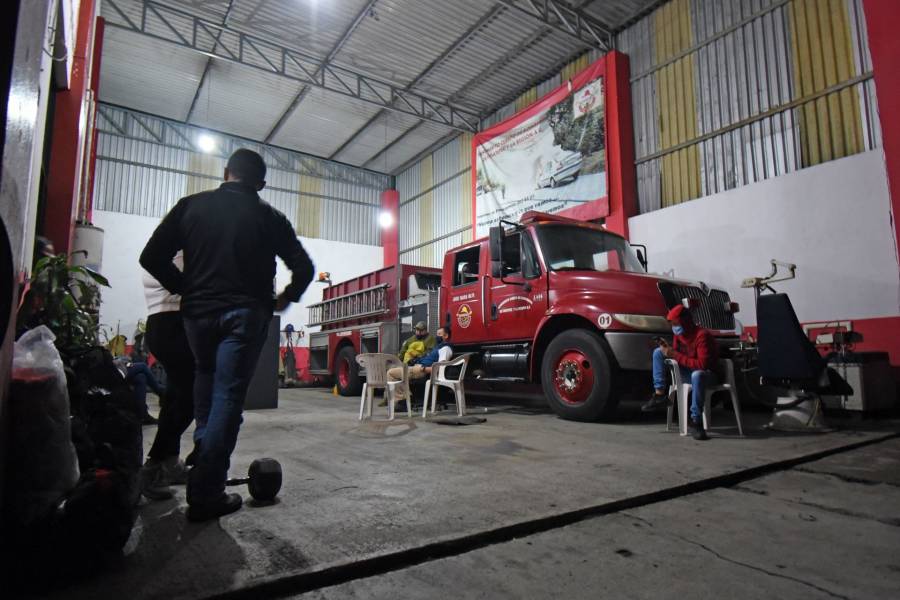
x: 420, y: 335
x: 415, y: 350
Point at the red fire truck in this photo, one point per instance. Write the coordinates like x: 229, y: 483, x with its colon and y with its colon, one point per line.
x: 548, y: 300
x: 367, y: 314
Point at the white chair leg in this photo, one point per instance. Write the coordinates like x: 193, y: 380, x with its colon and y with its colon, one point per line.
x: 370, y: 399
x: 433, y: 398
x: 460, y: 400
x: 426, y: 398
x: 389, y: 397
x: 736, y: 404
x: 362, y: 403
x: 670, y: 409
x: 683, y: 408
x: 406, y: 396
x: 707, y: 410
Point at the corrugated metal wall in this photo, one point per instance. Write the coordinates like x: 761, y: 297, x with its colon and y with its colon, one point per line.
x: 436, y: 203
x: 145, y: 164
x: 729, y: 92
x: 724, y: 93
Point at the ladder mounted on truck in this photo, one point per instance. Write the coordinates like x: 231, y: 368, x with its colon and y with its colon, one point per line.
x: 356, y: 305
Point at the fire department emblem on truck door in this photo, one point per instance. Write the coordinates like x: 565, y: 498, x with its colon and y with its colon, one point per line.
x: 464, y: 316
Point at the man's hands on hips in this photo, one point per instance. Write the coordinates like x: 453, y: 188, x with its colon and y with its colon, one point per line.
x: 281, y: 303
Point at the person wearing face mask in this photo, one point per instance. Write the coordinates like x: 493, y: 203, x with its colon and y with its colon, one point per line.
x: 420, y: 334
x: 421, y: 367
x: 695, y: 351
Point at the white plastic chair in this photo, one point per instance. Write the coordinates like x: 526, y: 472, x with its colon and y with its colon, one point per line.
x: 682, y: 390
x: 376, y: 366
x: 439, y: 378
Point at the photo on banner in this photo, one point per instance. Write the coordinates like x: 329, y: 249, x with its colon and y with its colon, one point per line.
x: 550, y: 157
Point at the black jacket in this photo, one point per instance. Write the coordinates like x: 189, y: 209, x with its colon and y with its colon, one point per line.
x: 230, y: 239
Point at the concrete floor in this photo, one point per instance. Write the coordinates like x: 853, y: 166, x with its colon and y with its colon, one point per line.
x: 808, y: 532
x: 528, y: 505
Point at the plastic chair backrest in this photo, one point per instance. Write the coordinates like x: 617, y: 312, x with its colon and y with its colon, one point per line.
x: 377, y: 365
x: 461, y: 360
x: 675, y: 372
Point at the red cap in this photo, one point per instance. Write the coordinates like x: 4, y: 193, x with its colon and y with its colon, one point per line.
x: 675, y: 313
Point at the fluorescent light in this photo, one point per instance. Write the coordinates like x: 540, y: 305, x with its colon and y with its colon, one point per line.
x: 385, y: 219
x: 206, y: 143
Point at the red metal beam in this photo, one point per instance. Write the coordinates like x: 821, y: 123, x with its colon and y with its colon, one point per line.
x: 882, y: 17
x: 69, y: 137
x: 390, y: 234
x: 621, y: 177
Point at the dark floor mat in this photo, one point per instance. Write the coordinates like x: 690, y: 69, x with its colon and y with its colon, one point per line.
x: 454, y: 420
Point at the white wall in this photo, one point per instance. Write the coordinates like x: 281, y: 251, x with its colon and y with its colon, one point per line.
x: 344, y: 261
x: 125, y: 236
x: 832, y: 220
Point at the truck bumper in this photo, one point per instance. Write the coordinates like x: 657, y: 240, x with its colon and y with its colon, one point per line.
x: 634, y: 350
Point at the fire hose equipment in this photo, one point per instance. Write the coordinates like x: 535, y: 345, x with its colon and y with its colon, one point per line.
x: 263, y: 479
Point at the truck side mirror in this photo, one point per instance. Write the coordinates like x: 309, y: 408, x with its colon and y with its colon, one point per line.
x: 641, y: 251
x: 495, y: 246
x: 642, y: 259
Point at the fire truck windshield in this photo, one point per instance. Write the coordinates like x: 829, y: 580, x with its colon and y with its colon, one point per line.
x: 574, y: 248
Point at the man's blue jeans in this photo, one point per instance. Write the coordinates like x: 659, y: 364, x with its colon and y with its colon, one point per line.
x: 699, y: 379
x: 226, y: 346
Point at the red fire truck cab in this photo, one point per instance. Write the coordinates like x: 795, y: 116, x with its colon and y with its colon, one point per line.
x: 548, y: 300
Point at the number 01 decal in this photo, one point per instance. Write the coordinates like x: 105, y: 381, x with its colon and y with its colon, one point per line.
x: 604, y: 320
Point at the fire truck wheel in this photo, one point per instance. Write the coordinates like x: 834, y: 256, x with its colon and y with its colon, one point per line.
x: 577, y: 376
x: 346, y: 373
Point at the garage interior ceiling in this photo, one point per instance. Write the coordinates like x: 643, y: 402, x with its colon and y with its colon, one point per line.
x: 369, y: 83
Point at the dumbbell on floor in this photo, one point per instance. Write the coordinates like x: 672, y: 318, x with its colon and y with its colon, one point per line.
x: 263, y: 479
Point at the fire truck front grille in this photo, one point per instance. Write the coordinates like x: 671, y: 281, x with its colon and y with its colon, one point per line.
x: 713, y: 310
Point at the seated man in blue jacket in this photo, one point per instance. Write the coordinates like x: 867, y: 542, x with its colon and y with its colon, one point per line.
x: 420, y: 368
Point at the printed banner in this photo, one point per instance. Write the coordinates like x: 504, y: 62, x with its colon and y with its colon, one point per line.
x: 549, y: 157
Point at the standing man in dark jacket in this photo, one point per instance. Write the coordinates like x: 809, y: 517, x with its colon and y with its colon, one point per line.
x: 230, y: 239
x: 695, y: 351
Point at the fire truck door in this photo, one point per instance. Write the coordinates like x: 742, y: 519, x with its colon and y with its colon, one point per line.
x: 517, y: 303
x: 465, y: 297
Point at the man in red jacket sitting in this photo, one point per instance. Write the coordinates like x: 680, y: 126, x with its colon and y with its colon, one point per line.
x: 695, y: 351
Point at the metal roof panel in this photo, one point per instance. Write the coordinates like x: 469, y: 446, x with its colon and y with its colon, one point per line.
x: 242, y: 101
x: 405, y: 36
x: 320, y: 123
x: 164, y: 86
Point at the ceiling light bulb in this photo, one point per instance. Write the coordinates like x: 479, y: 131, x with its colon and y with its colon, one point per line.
x: 385, y: 219
x: 206, y: 143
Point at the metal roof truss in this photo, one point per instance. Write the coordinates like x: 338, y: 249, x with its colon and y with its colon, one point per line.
x: 184, y: 137
x: 190, y: 31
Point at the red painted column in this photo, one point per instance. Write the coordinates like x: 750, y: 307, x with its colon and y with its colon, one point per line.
x: 69, y: 137
x: 882, y: 17
x: 619, y: 145
x: 390, y: 227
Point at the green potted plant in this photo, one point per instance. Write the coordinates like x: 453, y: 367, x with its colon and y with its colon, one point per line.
x: 66, y: 299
